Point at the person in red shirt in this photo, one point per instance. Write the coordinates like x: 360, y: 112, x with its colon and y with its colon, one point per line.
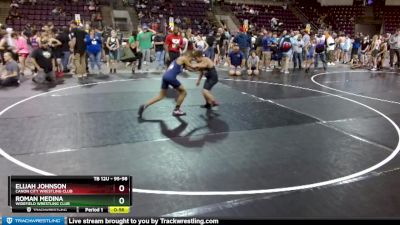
x: 173, y: 45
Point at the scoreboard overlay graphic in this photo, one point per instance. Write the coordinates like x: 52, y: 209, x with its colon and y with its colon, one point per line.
x: 62, y: 194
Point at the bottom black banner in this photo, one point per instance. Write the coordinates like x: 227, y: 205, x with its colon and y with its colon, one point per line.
x: 138, y: 221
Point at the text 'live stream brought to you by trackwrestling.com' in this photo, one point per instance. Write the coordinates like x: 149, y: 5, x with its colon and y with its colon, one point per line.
x: 20, y: 220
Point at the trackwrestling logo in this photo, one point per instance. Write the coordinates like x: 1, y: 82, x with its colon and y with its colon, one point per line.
x: 33, y: 220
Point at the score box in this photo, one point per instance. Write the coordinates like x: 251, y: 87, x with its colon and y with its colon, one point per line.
x: 69, y: 191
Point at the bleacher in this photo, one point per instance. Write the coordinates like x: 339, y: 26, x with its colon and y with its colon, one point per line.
x: 341, y: 17
x: 194, y: 10
x: 41, y: 13
x: 391, y: 17
x: 263, y: 19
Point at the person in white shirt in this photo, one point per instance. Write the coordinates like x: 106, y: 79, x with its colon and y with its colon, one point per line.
x: 298, y: 45
x: 201, y: 44
x: 274, y: 23
x: 330, y: 48
x: 253, y: 63
x: 178, y: 20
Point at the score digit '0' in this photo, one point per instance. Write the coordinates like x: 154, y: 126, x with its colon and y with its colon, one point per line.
x: 121, y: 200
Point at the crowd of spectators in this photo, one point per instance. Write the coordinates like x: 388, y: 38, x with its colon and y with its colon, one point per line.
x: 47, y: 53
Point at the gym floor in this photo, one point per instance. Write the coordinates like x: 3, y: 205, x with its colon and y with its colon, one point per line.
x: 297, y: 145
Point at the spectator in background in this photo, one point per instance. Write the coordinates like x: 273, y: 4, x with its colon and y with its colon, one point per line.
x: 55, y: 48
x: 266, y: 50
x: 98, y: 20
x: 127, y: 56
x: 63, y: 37
x: 275, y: 52
x: 45, y: 28
x: 383, y: 48
x: 14, y: 4
x: 346, y: 49
x: 355, y: 62
x: 34, y: 44
x: 257, y: 44
x: 320, y: 50
x: 50, y: 26
x: 219, y: 48
x: 355, y: 50
x: 310, y: 49
x: 14, y: 14
x: 11, y: 74
x: 394, y: 43
x: 104, y: 36
x: 44, y: 62
x: 286, y: 47
x: 140, y: 15
x: 191, y: 39
x: 178, y: 20
x: 133, y: 46
x: 374, y: 51
x: 236, y: 61
x: 93, y: 48
x: 365, y: 47
x: 306, y: 40
x: 3, y: 45
x: 185, y: 43
x: 244, y: 42
x: 22, y: 49
x: 56, y: 11
x: 253, y: 63
x: 330, y: 48
x: 62, y: 12
x: 145, y: 44
x: 298, y: 46
x: 340, y: 42
x: 92, y: 7
x: 27, y: 30
x: 113, y: 45
x: 173, y: 45
x: 200, y: 44
x: 212, y: 43
x: 251, y: 11
x: 8, y: 43
x: 86, y: 27
x: 156, y: 25
x: 78, y: 47
x: 120, y: 35
x: 159, y: 47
